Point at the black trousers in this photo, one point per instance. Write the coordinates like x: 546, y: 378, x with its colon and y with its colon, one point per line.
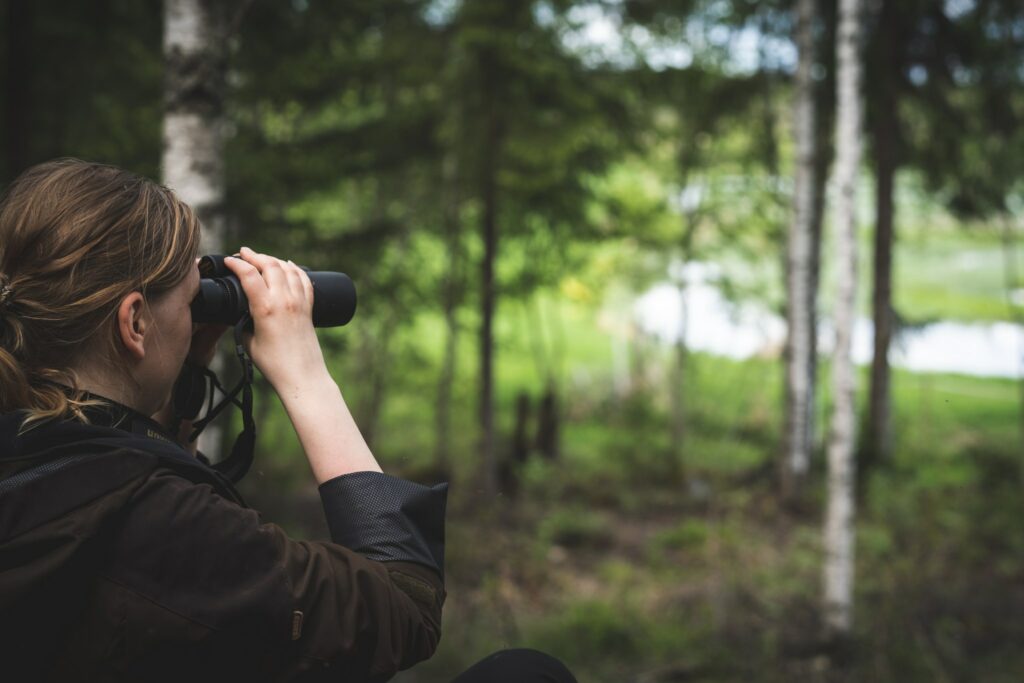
x: 517, y: 666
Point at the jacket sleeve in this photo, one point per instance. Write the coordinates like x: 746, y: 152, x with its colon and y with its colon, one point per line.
x: 387, y: 519
x: 358, y: 608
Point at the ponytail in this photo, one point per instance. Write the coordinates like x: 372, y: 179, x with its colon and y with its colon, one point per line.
x: 44, y: 393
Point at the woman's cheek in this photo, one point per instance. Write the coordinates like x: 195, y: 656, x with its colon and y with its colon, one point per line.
x: 185, y: 334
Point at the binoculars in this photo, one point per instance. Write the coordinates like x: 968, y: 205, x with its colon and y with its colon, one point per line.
x: 221, y: 299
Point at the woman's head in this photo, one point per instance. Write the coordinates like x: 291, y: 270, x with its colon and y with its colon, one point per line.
x: 90, y: 255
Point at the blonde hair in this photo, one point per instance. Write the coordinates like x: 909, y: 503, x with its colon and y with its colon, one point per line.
x: 75, y: 239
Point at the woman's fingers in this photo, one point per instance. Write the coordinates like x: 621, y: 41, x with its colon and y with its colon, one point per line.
x: 294, y: 281
x: 257, y: 259
x: 252, y: 282
x: 268, y: 282
x: 270, y: 268
x: 274, y: 287
x: 284, y: 345
x: 307, y: 286
x: 299, y: 282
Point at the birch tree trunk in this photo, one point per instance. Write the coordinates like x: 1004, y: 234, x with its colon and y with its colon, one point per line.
x: 839, y: 516
x: 193, y: 157
x: 801, y: 290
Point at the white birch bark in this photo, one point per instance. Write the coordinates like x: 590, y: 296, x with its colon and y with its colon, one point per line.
x: 839, y: 518
x: 193, y: 154
x: 800, y: 292
x: 193, y: 158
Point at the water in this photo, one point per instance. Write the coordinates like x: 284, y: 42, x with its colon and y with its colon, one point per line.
x: 721, y: 327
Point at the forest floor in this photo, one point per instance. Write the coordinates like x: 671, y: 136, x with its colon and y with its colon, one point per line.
x: 610, y: 560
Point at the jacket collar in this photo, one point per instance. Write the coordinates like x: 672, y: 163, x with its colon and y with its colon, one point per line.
x: 107, y: 419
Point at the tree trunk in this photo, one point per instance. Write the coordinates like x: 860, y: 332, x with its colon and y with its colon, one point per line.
x: 681, y: 355
x: 374, y: 352
x: 825, y: 111
x: 546, y: 341
x: 678, y: 393
x: 18, y: 100
x: 548, y: 424
x: 879, y: 423
x: 193, y: 158
x: 489, y: 234
x: 521, y: 433
x: 1013, y: 283
x: 445, y: 382
x: 820, y: 180
x: 452, y: 287
x: 800, y: 291
x: 839, y: 517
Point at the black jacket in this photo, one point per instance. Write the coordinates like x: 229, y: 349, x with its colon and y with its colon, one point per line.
x: 124, y: 558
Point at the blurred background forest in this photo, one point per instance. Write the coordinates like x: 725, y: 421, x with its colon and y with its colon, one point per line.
x: 595, y: 244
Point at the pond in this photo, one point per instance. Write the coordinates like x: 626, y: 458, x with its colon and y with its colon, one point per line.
x: 718, y: 326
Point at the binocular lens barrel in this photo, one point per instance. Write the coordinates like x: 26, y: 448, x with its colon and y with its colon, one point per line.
x: 222, y: 299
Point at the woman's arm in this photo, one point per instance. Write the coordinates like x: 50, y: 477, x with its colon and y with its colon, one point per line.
x: 204, y: 564
x: 286, y: 350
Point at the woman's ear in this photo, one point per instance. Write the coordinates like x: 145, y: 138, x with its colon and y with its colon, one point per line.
x: 132, y: 324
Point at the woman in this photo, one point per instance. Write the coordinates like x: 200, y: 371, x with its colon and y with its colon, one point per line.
x: 122, y: 557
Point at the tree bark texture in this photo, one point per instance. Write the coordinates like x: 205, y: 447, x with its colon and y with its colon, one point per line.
x: 886, y: 135
x: 193, y: 131
x: 839, y: 516
x: 801, y: 292
x: 193, y: 157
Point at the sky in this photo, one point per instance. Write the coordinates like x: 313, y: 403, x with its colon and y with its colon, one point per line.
x: 597, y: 33
x: 600, y: 35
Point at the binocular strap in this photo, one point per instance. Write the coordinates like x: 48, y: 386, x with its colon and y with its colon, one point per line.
x: 191, y: 391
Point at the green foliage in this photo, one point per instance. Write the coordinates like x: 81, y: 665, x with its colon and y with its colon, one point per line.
x: 691, y: 534
x: 575, y: 528
x: 593, y: 627
x: 962, y: 111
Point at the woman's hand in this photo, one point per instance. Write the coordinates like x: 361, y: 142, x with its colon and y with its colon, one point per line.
x: 285, y: 349
x: 283, y: 345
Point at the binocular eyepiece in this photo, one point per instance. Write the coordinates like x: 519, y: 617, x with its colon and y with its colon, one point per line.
x: 222, y: 300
